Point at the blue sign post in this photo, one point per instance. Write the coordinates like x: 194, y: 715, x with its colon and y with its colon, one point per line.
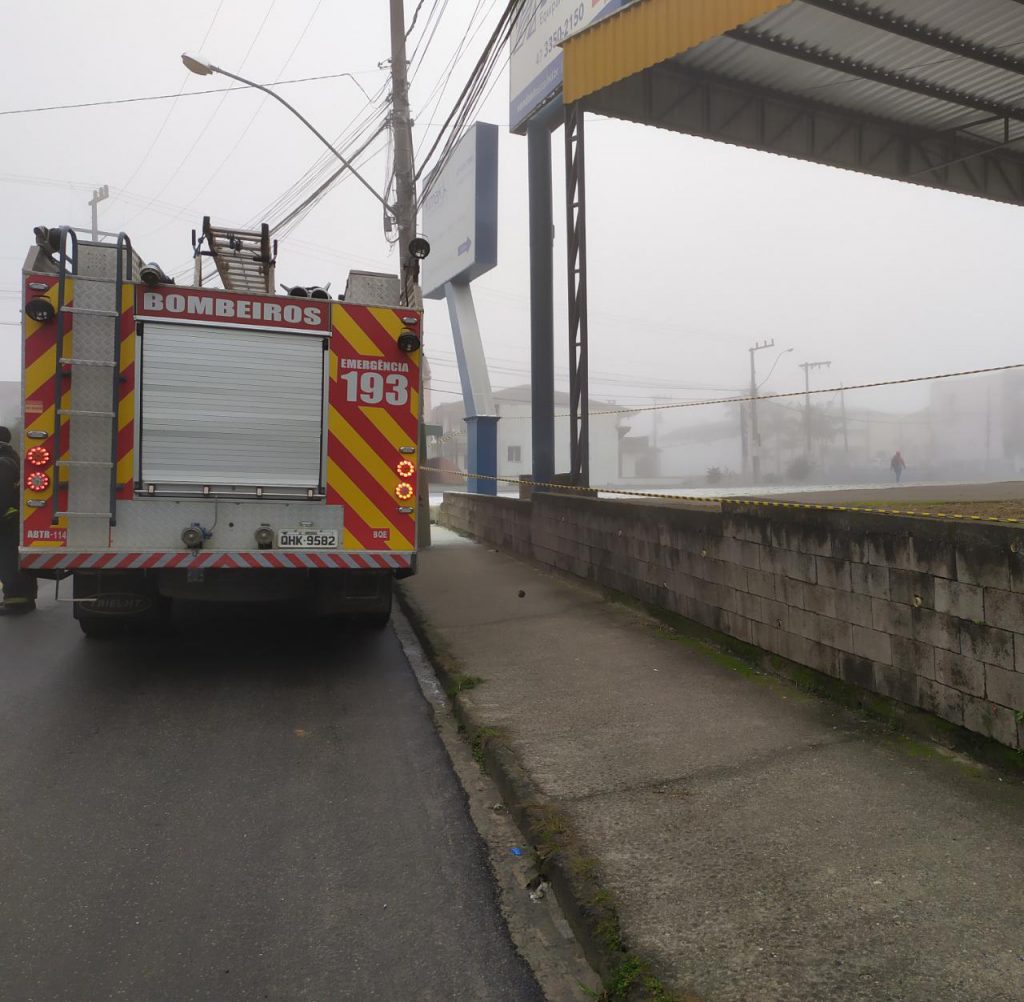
x: 460, y: 219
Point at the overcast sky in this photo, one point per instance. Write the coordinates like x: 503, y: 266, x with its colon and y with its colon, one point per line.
x: 696, y: 249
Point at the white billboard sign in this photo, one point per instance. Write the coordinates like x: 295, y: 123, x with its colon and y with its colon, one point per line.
x: 535, y: 70
x: 460, y: 212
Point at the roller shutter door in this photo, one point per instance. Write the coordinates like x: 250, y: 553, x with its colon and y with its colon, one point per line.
x: 231, y: 407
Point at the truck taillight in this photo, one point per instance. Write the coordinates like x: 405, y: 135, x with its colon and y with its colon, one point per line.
x: 405, y: 469
x: 404, y: 491
x: 38, y: 455
x: 37, y: 482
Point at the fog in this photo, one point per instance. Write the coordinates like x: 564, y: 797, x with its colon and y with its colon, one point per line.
x: 697, y: 250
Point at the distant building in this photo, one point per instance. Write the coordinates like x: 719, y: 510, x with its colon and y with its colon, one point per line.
x: 515, y: 446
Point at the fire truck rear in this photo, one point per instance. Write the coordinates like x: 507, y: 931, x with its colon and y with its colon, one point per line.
x: 196, y: 443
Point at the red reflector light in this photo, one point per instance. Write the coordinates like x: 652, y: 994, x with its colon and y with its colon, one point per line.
x: 37, y: 481
x: 38, y: 456
x: 404, y: 492
x: 405, y: 469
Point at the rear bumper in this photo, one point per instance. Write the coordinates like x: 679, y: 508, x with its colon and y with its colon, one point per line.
x: 142, y: 593
x: 51, y: 560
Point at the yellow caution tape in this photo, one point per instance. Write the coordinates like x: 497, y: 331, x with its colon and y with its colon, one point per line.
x: 749, y: 502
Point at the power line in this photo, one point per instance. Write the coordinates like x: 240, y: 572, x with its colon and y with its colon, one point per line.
x: 415, y: 15
x: 174, y: 103
x: 325, y: 163
x: 299, y: 212
x: 213, y: 114
x: 191, y: 93
x: 437, y: 93
x: 801, y: 393
x: 213, y: 174
x: 467, y: 99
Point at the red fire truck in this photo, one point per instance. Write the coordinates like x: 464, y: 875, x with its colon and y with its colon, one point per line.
x: 215, y: 444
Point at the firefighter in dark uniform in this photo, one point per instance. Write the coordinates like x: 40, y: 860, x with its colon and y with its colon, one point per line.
x: 19, y: 588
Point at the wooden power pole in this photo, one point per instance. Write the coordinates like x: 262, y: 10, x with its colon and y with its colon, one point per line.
x: 405, y: 181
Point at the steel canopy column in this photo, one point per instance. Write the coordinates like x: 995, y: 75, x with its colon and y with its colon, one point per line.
x: 576, y: 246
x: 481, y: 421
x: 542, y: 324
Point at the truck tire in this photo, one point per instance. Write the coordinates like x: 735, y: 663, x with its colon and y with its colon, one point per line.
x: 100, y: 627
x: 380, y: 615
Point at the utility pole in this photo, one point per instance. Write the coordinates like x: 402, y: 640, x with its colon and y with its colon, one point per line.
x: 846, y: 433
x: 807, y: 366
x: 405, y: 183
x: 405, y: 209
x: 755, y: 437
x: 97, y: 196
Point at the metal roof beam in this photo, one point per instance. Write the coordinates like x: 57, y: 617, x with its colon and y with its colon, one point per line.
x: 720, y: 108
x: 854, y: 67
x: 906, y: 27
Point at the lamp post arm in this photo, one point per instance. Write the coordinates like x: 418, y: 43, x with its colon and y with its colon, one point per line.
x: 312, y: 128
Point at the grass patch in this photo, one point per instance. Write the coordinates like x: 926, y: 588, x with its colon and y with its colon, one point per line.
x: 460, y: 682
x: 482, y: 737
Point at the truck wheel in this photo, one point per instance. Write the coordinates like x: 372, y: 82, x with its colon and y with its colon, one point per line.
x: 100, y: 627
x: 380, y: 616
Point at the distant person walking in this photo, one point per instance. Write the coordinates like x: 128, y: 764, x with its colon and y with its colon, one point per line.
x: 898, y: 464
x: 19, y: 588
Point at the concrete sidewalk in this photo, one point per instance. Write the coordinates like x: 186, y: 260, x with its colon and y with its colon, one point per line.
x: 754, y: 843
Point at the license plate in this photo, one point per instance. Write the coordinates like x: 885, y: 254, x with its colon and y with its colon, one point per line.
x: 307, y: 539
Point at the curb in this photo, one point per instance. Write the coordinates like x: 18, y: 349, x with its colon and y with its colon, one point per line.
x: 586, y: 905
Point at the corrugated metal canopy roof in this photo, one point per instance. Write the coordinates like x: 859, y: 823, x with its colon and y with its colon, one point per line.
x: 929, y: 91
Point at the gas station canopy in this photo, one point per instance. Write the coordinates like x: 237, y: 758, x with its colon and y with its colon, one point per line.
x: 925, y: 91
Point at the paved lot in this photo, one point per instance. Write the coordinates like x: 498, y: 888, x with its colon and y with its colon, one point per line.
x: 246, y: 811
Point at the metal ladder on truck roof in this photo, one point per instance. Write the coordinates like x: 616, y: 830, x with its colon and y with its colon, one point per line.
x: 245, y: 259
x: 88, y: 381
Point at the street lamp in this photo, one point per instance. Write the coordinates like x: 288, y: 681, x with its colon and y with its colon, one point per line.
x: 203, y: 67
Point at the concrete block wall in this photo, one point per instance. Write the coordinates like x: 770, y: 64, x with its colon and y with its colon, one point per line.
x: 927, y: 613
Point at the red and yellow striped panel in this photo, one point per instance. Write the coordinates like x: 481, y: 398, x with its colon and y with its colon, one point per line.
x: 39, y: 388
x: 126, y: 398
x: 373, y: 414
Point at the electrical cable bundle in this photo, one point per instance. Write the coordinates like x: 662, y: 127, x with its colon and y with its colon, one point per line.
x: 472, y: 97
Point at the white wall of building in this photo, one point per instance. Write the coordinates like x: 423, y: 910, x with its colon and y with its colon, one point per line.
x: 515, y: 442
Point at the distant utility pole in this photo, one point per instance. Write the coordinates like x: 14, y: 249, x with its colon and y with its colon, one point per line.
x: 807, y: 367
x: 846, y: 432
x: 97, y: 196
x: 405, y: 182
x: 755, y: 438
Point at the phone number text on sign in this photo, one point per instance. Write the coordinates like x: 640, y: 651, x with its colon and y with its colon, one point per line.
x: 572, y: 21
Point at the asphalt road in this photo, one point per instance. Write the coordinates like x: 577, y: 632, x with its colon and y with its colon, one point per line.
x: 248, y: 810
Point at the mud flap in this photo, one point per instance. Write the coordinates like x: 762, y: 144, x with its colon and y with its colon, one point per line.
x: 110, y: 602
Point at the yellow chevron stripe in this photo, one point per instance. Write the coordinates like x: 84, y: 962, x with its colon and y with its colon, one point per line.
x: 126, y: 406
x: 359, y: 341
x: 388, y: 319
x: 42, y: 422
x: 364, y: 508
x: 370, y: 461
x: 388, y: 427
x: 42, y: 371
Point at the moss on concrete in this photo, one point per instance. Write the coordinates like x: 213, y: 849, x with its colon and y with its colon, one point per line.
x: 573, y: 873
